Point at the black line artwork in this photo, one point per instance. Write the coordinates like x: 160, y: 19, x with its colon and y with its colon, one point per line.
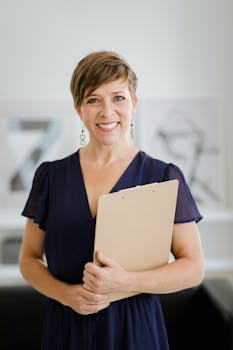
x: 184, y: 140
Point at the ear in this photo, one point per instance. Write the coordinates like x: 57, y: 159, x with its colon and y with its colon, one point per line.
x: 135, y: 102
x: 78, y: 111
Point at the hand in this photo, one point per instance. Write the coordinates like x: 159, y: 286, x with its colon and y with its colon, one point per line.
x: 110, y: 277
x: 83, y: 301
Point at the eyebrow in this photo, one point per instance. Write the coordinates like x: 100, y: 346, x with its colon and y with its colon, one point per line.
x: 113, y: 93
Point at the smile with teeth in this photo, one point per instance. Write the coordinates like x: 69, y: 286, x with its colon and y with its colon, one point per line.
x: 108, y: 126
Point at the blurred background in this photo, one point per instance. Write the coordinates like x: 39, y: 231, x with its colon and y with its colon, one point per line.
x: 182, y: 52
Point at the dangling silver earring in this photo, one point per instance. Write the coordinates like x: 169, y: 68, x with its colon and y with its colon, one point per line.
x: 82, y: 137
x: 131, y: 130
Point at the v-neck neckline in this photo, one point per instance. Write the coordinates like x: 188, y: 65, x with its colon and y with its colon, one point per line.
x: 120, y: 179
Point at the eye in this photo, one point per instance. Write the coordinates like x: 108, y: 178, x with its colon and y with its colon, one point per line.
x: 92, y: 100
x: 119, y: 98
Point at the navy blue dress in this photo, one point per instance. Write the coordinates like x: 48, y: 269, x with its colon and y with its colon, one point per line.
x: 58, y: 203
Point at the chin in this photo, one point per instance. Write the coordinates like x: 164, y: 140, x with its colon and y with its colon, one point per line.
x: 109, y: 141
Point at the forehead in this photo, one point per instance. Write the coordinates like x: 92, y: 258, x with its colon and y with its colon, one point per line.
x: 113, y: 86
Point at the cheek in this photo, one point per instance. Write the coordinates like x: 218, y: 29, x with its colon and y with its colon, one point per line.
x: 87, y: 115
x: 126, y: 111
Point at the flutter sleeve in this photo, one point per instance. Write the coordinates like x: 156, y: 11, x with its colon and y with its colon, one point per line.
x: 37, y: 202
x: 186, y: 207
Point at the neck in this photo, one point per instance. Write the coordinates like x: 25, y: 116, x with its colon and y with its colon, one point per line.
x: 107, y: 154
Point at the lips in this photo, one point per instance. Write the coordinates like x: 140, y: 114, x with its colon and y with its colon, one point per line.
x: 108, y: 126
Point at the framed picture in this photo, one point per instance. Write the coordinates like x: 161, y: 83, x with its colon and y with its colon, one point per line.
x: 186, y: 132
x: 30, y: 133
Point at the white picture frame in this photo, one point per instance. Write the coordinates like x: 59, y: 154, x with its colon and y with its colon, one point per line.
x: 32, y: 132
x: 188, y: 133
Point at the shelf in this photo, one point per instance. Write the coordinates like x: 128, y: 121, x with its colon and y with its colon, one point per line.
x: 11, y: 275
x: 11, y: 220
x: 219, y: 216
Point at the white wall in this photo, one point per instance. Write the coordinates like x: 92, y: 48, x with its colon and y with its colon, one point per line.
x: 179, y: 48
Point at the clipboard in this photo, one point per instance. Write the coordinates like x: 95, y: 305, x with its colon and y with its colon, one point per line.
x: 134, y: 227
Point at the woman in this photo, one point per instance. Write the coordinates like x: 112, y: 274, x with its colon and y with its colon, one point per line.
x: 57, y: 248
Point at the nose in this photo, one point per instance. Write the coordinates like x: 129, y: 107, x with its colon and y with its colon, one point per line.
x: 107, y: 109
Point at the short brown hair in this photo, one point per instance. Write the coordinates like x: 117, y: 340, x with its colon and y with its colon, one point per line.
x: 97, y: 68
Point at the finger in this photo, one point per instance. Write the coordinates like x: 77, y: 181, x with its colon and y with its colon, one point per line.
x: 89, y: 286
x: 92, y: 309
x: 95, y: 288
x: 103, y: 259
x: 103, y: 306
x: 87, y: 276
x: 92, y: 268
x: 88, y: 309
x: 94, y: 298
x: 91, y: 272
x: 91, y: 281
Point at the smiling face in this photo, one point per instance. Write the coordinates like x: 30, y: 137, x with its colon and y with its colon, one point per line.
x: 107, y: 112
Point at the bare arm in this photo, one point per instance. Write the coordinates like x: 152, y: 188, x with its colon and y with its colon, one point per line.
x: 34, y: 269
x: 186, y: 271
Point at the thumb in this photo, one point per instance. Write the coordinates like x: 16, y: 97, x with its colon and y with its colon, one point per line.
x: 104, y: 260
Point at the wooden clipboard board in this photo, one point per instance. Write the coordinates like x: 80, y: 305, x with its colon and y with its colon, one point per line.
x: 134, y: 226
